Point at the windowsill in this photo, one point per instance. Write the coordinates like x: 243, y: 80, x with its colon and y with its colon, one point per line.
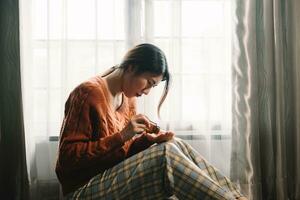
x: 184, y: 137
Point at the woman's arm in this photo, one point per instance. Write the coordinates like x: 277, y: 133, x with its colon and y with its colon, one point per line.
x: 139, y: 144
x: 82, y: 141
x: 147, y: 139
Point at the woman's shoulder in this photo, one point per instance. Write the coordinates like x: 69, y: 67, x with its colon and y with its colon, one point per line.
x: 91, y: 88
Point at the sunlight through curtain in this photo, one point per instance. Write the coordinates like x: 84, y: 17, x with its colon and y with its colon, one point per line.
x: 65, y: 42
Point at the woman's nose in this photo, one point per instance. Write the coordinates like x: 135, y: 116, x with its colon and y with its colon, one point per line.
x: 146, y: 90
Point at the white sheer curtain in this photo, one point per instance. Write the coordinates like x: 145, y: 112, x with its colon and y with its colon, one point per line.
x: 64, y: 42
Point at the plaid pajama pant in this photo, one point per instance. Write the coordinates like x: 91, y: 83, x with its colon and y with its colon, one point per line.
x: 162, y: 170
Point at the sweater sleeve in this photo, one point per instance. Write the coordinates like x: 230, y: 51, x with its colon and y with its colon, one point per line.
x: 141, y: 142
x: 82, y: 143
x: 138, y: 144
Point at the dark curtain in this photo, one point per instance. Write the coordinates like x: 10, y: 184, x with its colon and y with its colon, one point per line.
x: 13, y: 171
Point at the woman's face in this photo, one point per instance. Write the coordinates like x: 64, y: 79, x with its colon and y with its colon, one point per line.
x: 137, y: 85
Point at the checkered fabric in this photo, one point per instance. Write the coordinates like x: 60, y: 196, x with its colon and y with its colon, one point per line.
x: 163, y: 170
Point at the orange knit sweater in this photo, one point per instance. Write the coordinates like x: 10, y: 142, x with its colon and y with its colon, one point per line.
x: 90, y: 141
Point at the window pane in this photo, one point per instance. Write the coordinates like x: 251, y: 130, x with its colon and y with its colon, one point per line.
x: 194, y: 98
x: 80, y: 63
x: 162, y: 18
x: 40, y: 68
x: 55, y: 19
x: 40, y: 112
x: 217, y: 101
x: 172, y: 50
x: 39, y: 19
x: 205, y: 55
x: 81, y: 17
x: 111, y: 19
x: 206, y: 99
x: 174, y: 99
x: 202, y: 18
x: 110, y: 53
x: 55, y: 64
x: 55, y: 111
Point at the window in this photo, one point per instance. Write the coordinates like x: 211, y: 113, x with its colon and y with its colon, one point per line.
x: 72, y: 40
x: 196, y: 36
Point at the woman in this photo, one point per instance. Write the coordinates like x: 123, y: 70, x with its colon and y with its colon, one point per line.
x: 107, y: 152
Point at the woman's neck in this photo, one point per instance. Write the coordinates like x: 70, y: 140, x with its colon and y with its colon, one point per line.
x: 114, y: 82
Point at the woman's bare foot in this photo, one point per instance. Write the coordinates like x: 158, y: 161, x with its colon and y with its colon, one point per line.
x: 242, y: 198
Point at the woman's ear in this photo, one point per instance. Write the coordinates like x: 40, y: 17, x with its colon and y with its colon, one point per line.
x: 130, y: 68
x: 128, y: 71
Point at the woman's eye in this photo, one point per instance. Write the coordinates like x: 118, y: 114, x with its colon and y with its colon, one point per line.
x: 151, y: 84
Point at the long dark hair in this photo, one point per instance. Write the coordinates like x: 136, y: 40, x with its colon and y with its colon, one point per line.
x: 149, y: 58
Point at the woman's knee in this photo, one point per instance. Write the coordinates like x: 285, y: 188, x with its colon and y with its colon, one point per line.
x: 169, y: 149
x: 165, y: 154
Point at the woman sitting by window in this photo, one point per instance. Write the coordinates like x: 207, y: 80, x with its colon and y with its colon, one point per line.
x: 107, y: 151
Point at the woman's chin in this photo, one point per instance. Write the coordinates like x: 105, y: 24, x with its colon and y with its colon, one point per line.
x: 129, y: 95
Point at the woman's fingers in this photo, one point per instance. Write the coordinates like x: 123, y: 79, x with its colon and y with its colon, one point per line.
x: 160, y: 137
x: 171, y: 132
x: 168, y: 136
x: 136, y: 125
x: 143, y: 120
x: 140, y: 128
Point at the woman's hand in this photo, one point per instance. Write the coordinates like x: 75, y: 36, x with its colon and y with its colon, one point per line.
x: 136, y: 125
x: 162, y: 136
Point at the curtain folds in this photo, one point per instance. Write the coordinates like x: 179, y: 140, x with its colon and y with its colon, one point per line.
x: 13, y: 170
x: 266, y: 101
